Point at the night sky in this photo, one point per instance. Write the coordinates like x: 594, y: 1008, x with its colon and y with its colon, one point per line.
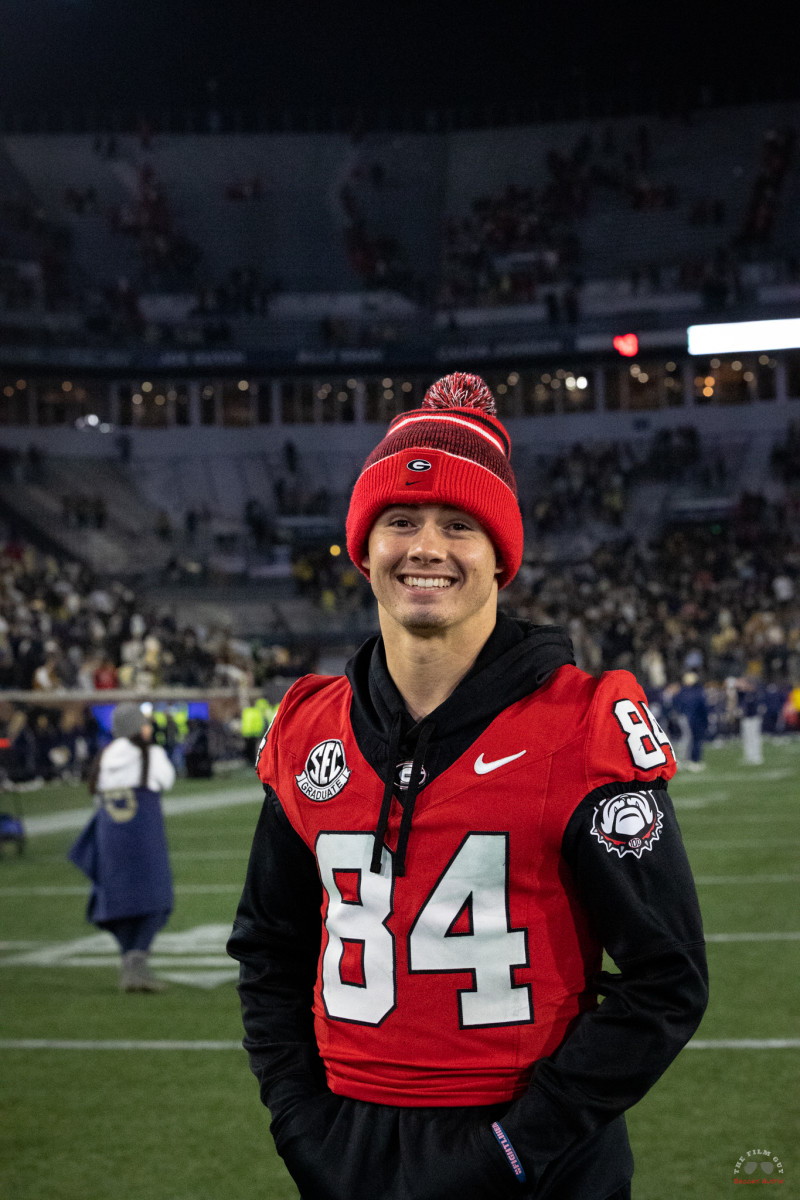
x: 433, y: 55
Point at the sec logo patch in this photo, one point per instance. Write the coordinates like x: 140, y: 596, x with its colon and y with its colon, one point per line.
x: 326, y: 771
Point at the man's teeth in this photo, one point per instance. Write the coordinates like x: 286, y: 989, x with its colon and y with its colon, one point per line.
x: 426, y: 582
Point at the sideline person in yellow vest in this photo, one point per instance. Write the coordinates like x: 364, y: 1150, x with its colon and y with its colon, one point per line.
x: 254, y: 723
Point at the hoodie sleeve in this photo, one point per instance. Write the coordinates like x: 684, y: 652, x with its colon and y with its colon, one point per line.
x: 624, y: 850
x: 161, y: 773
x: 334, y: 1148
x: 276, y: 940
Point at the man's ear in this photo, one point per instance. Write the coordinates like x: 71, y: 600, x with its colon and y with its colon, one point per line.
x: 500, y: 567
x: 365, y: 562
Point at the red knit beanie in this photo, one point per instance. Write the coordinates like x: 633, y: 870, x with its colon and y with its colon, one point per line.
x: 452, y: 451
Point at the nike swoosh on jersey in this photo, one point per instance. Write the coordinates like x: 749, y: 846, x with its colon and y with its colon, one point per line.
x: 483, y: 768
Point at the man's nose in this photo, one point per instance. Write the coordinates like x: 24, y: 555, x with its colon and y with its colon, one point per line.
x: 428, y: 544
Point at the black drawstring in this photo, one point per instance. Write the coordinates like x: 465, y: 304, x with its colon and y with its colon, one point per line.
x: 410, y: 798
x: 388, y: 792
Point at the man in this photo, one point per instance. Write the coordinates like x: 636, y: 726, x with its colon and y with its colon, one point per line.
x: 451, y: 835
x: 690, y: 702
x: 253, y: 724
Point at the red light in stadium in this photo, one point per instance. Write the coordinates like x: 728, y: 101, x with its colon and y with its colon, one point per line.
x: 627, y: 344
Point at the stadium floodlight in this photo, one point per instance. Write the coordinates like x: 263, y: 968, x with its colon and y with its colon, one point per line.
x: 736, y: 337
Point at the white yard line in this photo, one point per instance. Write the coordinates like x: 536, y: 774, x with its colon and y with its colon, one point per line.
x: 240, y: 855
x: 76, y: 818
x: 754, y: 842
x: 181, y: 889
x: 762, y: 817
x: 74, y: 1044
x: 744, y: 1044
x: 735, y: 880
x: 749, y: 773
x: 230, y: 889
x: 685, y: 802
x: 174, y: 806
x: 63, y: 1044
x: 160, y: 962
x: 32, y: 892
x: 211, y: 855
x: 103, y: 944
x: 753, y: 937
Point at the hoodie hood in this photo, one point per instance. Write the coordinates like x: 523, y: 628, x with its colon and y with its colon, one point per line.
x: 517, y: 658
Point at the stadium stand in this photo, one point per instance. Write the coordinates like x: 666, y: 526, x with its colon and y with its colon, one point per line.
x: 616, y: 217
x: 201, y: 333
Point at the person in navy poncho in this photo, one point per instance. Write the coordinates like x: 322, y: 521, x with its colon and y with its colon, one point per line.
x: 123, y: 849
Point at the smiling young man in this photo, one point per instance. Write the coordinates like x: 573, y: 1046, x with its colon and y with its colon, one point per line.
x: 452, y: 834
x: 434, y: 574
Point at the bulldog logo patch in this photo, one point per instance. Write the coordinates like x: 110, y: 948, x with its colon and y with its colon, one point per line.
x: 628, y: 824
x: 326, y: 771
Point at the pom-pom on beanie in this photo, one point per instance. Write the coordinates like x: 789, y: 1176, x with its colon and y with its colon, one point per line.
x: 452, y: 451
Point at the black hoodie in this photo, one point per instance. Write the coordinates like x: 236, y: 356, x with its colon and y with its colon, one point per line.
x: 516, y: 659
x: 569, y: 1119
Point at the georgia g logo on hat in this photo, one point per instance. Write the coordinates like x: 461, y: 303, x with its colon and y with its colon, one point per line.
x: 418, y: 464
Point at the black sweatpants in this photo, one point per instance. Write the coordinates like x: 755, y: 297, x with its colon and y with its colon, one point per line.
x: 341, y: 1149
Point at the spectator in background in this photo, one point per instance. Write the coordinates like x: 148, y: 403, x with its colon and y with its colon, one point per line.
x: 20, y: 758
x: 691, y: 702
x: 750, y: 705
x: 197, y: 751
x: 253, y: 725
x: 105, y: 676
x: 45, y: 677
x: 123, y: 849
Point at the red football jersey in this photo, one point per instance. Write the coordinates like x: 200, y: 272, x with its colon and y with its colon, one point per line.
x: 444, y: 986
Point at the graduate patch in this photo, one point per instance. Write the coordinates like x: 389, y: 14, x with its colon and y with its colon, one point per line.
x: 326, y: 771
x: 628, y: 824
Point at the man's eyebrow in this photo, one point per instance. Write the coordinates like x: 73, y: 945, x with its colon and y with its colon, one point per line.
x: 445, y: 511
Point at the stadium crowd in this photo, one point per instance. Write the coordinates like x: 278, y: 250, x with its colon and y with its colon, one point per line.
x: 716, y: 598
x: 63, y: 629
x: 65, y: 634
x: 726, y: 602
x: 721, y: 599
x: 584, y: 484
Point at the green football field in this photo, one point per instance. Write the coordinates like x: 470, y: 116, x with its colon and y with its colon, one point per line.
x: 130, y: 1097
